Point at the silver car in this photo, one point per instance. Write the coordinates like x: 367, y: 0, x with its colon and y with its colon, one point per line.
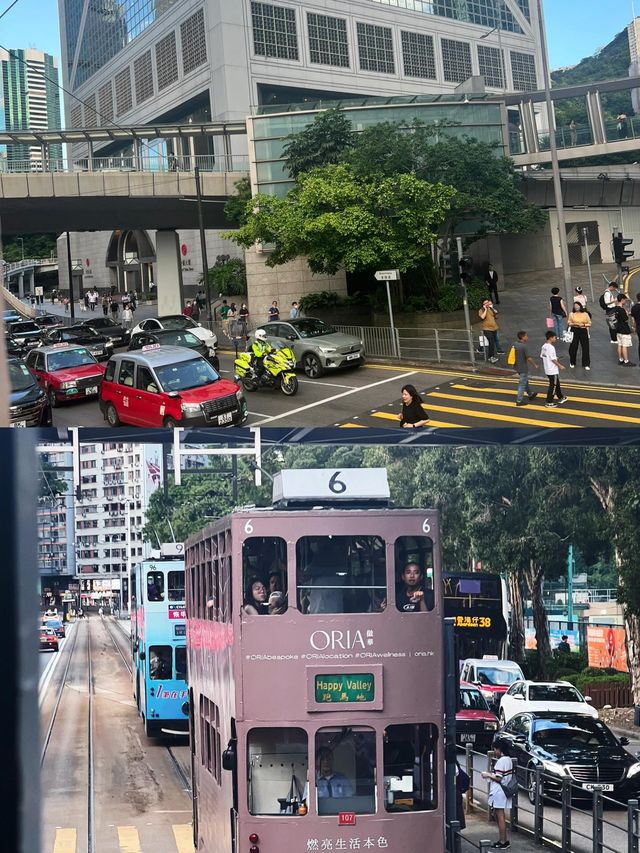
x: 316, y: 345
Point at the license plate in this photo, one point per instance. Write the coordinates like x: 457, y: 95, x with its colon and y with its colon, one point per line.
x: 226, y: 418
x: 352, y: 356
x: 596, y: 786
x: 92, y: 390
x: 467, y: 738
x: 19, y: 424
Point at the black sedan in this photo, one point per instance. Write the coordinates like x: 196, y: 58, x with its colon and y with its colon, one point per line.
x: 574, y: 747
x: 25, y: 333
x: 100, y: 346
x: 29, y: 406
x: 105, y: 326
x: 48, y: 321
x: 174, y: 338
x: 13, y: 347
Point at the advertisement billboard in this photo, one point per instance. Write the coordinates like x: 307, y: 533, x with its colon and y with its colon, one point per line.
x: 555, y: 636
x: 607, y: 648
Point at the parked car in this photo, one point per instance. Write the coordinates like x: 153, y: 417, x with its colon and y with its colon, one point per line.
x: 66, y: 372
x: 178, y: 322
x: 544, y: 696
x: 574, y: 747
x: 28, y: 406
x: 25, y: 332
x: 475, y: 723
x: 13, y: 348
x: 48, y: 640
x: 318, y: 348
x: 492, y: 676
x: 168, y: 387
x: 100, y: 346
x: 48, y: 321
x: 174, y: 338
x: 118, y: 335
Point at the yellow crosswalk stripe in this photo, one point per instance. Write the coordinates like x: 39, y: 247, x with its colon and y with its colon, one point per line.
x: 129, y: 839
x: 352, y: 426
x: 432, y: 423
x: 590, y: 400
x: 65, y: 841
x: 563, y: 410
x: 183, y: 835
x: 491, y: 416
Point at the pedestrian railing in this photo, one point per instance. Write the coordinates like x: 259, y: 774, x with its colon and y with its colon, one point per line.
x: 129, y: 163
x: 531, y: 810
x: 417, y: 344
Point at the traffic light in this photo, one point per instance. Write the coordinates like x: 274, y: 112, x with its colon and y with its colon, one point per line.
x: 466, y: 268
x: 620, y: 253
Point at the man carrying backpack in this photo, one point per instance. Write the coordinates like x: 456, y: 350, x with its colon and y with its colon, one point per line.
x: 609, y: 302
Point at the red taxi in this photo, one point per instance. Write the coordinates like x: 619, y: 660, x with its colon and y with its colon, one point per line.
x: 165, y: 386
x: 65, y: 372
x: 475, y: 724
x: 48, y: 639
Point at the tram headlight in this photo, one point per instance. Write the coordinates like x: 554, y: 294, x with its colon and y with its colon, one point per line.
x: 253, y: 838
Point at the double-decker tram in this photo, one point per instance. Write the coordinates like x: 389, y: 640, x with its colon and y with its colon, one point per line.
x: 158, y: 641
x: 477, y: 603
x: 319, y: 727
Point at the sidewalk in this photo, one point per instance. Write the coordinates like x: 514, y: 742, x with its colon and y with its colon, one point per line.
x: 478, y: 829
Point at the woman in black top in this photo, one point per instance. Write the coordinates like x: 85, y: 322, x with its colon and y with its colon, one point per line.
x: 256, y: 603
x: 413, y: 413
x: 558, y: 312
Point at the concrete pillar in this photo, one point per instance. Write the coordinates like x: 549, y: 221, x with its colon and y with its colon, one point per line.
x: 32, y: 280
x: 169, y: 273
x: 596, y: 119
x: 20, y: 285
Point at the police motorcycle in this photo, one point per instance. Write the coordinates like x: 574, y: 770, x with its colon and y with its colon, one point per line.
x: 277, y: 367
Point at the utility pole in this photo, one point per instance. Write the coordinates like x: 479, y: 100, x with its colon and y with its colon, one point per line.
x: 70, y: 269
x: 203, y: 242
x: 553, y: 148
x: 570, y: 565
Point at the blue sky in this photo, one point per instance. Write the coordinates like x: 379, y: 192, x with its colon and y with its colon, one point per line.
x: 576, y: 28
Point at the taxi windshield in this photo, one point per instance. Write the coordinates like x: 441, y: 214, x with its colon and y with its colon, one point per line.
x: 65, y: 359
x: 496, y: 676
x: 20, y: 376
x: 186, y: 375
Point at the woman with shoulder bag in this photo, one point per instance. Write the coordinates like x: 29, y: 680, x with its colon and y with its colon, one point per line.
x: 579, y: 323
x: 501, y: 791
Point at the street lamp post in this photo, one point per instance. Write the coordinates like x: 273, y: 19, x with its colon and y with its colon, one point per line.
x: 553, y: 148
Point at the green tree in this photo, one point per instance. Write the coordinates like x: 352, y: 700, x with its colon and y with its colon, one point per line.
x: 51, y: 485
x: 325, y: 141
x: 236, y: 206
x: 228, y: 277
x: 340, y: 221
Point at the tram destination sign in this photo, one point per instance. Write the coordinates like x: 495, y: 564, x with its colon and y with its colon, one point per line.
x: 333, y: 689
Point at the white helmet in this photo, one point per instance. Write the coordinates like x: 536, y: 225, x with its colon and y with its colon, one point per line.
x: 260, y: 335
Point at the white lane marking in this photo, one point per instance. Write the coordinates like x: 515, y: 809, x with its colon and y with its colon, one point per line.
x: 336, y: 397
x: 47, y: 673
x: 259, y: 414
x: 328, y: 384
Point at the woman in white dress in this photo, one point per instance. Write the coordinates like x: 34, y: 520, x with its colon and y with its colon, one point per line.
x: 498, y: 800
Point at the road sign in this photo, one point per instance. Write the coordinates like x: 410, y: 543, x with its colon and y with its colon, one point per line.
x: 388, y: 275
x: 39, y: 291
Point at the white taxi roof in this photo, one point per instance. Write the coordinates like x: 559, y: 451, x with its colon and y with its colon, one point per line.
x: 159, y: 357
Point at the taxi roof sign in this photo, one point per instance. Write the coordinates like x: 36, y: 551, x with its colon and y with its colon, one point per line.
x: 147, y: 347
x: 331, y: 484
x: 61, y: 345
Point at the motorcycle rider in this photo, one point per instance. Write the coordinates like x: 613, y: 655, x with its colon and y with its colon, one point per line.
x: 260, y: 347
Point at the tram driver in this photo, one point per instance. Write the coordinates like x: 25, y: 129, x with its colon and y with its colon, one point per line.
x: 329, y: 782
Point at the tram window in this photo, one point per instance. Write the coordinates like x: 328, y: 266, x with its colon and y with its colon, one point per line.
x: 175, y: 586
x: 155, y: 586
x: 264, y: 565
x: 160, y: 662
x: 181, y: 663
x: 341, y: 574
x: 345, y: 770
x: 410, y: 767
x: 134, y: 590
x: 414, y: 574
x: 277, y: 764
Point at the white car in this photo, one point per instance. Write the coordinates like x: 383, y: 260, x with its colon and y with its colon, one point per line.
x: 178, y: 321
x: 556, y: 696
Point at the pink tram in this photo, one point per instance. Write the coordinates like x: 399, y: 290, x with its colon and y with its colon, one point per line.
x: 319, y: 727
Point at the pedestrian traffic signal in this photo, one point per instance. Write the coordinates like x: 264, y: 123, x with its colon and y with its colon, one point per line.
x: 466, y: 268
x: 620, y: 253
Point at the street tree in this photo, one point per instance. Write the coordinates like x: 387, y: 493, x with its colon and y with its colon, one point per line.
x: 339, y: 221
x: 236, y: 206
x: 51, y: 486
x: 323, y: 142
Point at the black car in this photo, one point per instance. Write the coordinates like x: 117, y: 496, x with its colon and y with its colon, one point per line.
x: 13, y: 348
x: 25, y: 333
x: 575, y: 747
x: 48, y: 321
x: 105, y: 326
x: 175, y: 338
x: 100, y: 346
x: 29, y: 406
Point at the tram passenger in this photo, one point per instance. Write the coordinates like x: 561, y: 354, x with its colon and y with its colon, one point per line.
x: 160, y: 662
x: 275, y: 581
x: 256, y: 602
x: 410, y: 595
x: 277, y: 603
x: 330, y: 782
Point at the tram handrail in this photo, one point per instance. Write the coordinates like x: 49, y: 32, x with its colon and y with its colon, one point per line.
x: 541, y: 820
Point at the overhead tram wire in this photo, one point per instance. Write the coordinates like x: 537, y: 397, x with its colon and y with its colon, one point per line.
x: 8, y: 9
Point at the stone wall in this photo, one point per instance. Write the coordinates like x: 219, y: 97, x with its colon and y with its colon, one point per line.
x: 286, y: 283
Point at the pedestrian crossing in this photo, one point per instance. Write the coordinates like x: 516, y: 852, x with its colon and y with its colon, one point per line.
x: 485, y: 402
x: 125, y: 839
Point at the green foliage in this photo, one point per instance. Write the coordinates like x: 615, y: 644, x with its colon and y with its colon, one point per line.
x: 339, y: 221
x: 51, y: 485
x: 450, y: 296
x: 597, y: 676
x: 228, y: 277
x: 35, y: 246
x: 325, y: 141
x: 321, y: 299
x: 236, y: 207
x: 415, y: 303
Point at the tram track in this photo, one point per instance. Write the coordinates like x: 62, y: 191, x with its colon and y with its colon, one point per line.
x: 91, y: 823
x: 56, y: 706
